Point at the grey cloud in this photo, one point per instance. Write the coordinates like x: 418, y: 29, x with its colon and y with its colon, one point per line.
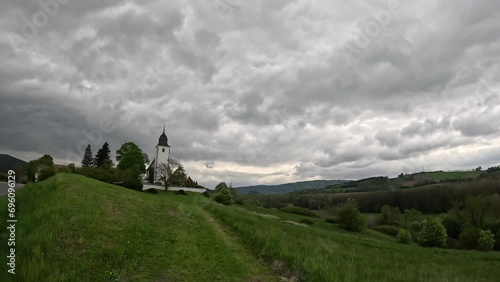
x: 263, y: 88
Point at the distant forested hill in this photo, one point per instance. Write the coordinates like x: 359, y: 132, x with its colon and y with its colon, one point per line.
x: 9, y: 162
x: 288, y: 187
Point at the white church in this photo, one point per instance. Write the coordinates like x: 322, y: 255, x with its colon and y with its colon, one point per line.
x: 153, y: 179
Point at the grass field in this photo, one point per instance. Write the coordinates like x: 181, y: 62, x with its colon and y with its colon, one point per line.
x: 71, y: 228
x: 443, y: 175
x: 323, y: 252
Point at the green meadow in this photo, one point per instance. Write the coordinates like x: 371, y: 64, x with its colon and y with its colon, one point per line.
x: 72, y: 228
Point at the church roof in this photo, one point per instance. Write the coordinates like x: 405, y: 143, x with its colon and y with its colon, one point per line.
x: 163, y: 140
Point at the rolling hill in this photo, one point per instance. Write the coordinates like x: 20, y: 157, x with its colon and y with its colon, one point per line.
x: 72, y: 228
x: 9, y: 162
x: 287, y: 187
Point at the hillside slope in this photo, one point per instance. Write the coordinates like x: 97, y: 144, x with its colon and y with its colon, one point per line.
x: 9, y: 162
x: 71, y: 228
x: 288, y: 187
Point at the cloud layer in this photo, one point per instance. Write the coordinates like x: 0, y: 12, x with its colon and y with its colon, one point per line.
x: 261, y: 92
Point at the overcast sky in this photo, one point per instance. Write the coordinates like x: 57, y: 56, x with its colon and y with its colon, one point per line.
x: 256, y: 92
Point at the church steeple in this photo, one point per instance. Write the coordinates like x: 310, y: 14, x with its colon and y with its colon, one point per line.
x: 163, y: 140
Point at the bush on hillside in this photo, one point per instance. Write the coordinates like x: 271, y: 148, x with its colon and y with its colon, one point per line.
x: 330, y: 220
x: 299, y: 211
x: 224, y: 197
x: 181, y: 192
x: 469, y: 237
x: 240, y: 202
x: 497, y: 242
x: 307, y: 221
x: 46, y: 172
x: 349, y: 217
x: 404, y: 237
x: 206, y: 194
x: 389, y: 216
x: 387, y: 229
x: 98, y: 174
x: 130, y: 179
x: 416, y: 226
x: 433, y: 233
x: 486, y: 241
x: 152, y: 191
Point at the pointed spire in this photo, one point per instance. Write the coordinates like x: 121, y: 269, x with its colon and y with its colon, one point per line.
x: 163, y: 128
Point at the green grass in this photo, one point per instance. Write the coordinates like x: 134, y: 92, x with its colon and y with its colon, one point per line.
x: 450, y: 175
x: 71, y: 228
x: 324, y: 253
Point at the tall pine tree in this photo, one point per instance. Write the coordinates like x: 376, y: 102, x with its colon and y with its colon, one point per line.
x: 102, y: 155
x: 88, y: 160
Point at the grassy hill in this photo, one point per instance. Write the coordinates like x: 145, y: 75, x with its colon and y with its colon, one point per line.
x: 288, y: 187
x: 71, y: 228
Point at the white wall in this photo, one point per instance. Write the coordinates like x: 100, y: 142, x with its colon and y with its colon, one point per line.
x: 160, y: 187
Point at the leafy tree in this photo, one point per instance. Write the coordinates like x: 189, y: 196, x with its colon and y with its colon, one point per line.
x: 411, y: 215
x: 389, y: 215
x: 349, y: 217
x: 486, y: 240
x: 130, y: 156
x: 131, y: 179
x: 179, y: 176
x: 43, y: 165
x: 71, y: 168
x: 433, y: 233
x: 88, y: 160
x: 220, y: 186
x: 224, y: 196
x: 453, y: 226
x: 103, y: 157
x: 469, y: 237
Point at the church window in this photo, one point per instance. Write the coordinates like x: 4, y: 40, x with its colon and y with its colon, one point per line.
x: 163, y: 150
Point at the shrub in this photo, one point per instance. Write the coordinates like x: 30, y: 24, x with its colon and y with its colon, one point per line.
x: 240, y: 202
x: 181, y: 192
x: 416, y: 226
x: 389, y: 216
x: 469, y: 237
x: 330, y: 220
x: 452, y: 225
x: 101, y: 174
x: 307, y: 221
x: 404, y: 236
x: 152, y: 190
x: 349, y: 217
x: 387, y: 229
x: 46, y: 172
x: 206, y: 194
x: 486, y: 241
x: 224, y: 196
x: 298, y: 210
x: 433, y: 233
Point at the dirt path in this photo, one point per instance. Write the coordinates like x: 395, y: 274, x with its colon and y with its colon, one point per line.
x: 262, y: 272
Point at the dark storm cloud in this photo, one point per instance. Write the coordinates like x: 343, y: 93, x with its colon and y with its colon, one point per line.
x: 262, y: 93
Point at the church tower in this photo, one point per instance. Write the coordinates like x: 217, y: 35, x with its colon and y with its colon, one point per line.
x: 162, y: 154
